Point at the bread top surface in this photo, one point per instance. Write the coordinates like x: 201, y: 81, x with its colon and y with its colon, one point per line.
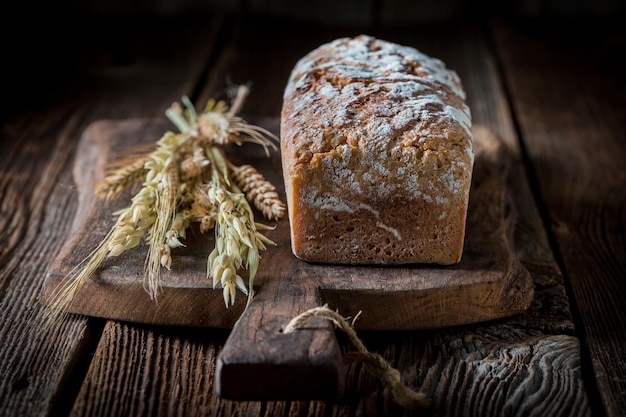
x: 381, y: 118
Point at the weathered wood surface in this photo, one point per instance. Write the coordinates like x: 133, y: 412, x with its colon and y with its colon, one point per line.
x: 117, y: 291
x: 454, y: 349
x: 531, y: 364
x: 488, y: 283
x: 40, y: 374
x: 571, y: 108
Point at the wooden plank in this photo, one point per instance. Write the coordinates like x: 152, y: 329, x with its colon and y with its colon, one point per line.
x: 398, y: 298
x: 488, y: 283
x: 117, y: 291
x: 29, y: 376
x: 570, y: 108
x: 38, y: 372
x: 451, y: 365
x: 151, y: 371
x: 476, y: 66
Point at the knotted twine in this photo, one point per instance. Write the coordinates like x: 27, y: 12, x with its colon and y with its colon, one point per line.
x: 374, y: 363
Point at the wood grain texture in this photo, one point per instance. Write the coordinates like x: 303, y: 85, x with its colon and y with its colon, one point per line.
x: 489, y: 371
x: 172, y: 372
x: 567, y: 101
x: 150, y: 371
x: 488, y: 283
x: 28, y: 381
x: 414, y: 353
x: 505, y: 367
x: 259, y: 362
x: 472, y: 59
x: 550, y: 312
x: 38, y: 371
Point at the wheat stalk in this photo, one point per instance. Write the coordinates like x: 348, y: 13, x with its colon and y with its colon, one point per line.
x: 188, y: 179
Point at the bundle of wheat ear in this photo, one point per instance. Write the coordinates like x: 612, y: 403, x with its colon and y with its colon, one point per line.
x: 187, y: 178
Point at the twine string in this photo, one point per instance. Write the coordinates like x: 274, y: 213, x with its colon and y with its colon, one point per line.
x: 374, y: 363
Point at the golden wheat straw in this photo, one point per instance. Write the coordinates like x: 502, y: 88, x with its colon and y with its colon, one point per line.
x: 241, y: 94
x: 240, y: 131
x: 165, y: 205
x: 63, y: 295
x: 187, y: 179
x: 213, y: 105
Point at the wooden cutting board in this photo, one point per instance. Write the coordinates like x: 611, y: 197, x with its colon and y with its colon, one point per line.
x: 259, y: 361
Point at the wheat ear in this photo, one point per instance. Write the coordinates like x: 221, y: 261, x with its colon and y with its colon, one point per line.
x: 259, y: 191
x: 121, y: 178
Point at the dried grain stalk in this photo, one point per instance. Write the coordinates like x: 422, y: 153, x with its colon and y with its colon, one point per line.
x: 188, y: 179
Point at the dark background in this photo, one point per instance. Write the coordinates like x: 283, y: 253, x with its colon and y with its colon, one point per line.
x: 359, y: 12
x: 46, y: 44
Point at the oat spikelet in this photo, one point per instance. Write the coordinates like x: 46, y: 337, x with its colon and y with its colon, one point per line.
x: 126, y: 233
x: 237, y: 237
x: 259, y: 191
x: 237, y: 244
x: 178, y: 229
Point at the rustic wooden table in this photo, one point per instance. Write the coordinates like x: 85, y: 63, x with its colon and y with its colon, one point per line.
x: 554, y: 93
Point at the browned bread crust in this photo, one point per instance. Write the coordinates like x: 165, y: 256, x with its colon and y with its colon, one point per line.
x: 377, y: 155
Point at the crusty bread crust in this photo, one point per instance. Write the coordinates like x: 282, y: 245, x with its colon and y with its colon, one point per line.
x: 377, y: 155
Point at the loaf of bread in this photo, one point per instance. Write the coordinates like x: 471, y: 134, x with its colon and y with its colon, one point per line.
x: 377, y: 155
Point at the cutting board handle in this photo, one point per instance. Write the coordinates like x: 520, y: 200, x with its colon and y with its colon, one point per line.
x: 260, y: 362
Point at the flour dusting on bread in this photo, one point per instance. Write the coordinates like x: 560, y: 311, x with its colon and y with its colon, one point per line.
x: 366, y: 122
